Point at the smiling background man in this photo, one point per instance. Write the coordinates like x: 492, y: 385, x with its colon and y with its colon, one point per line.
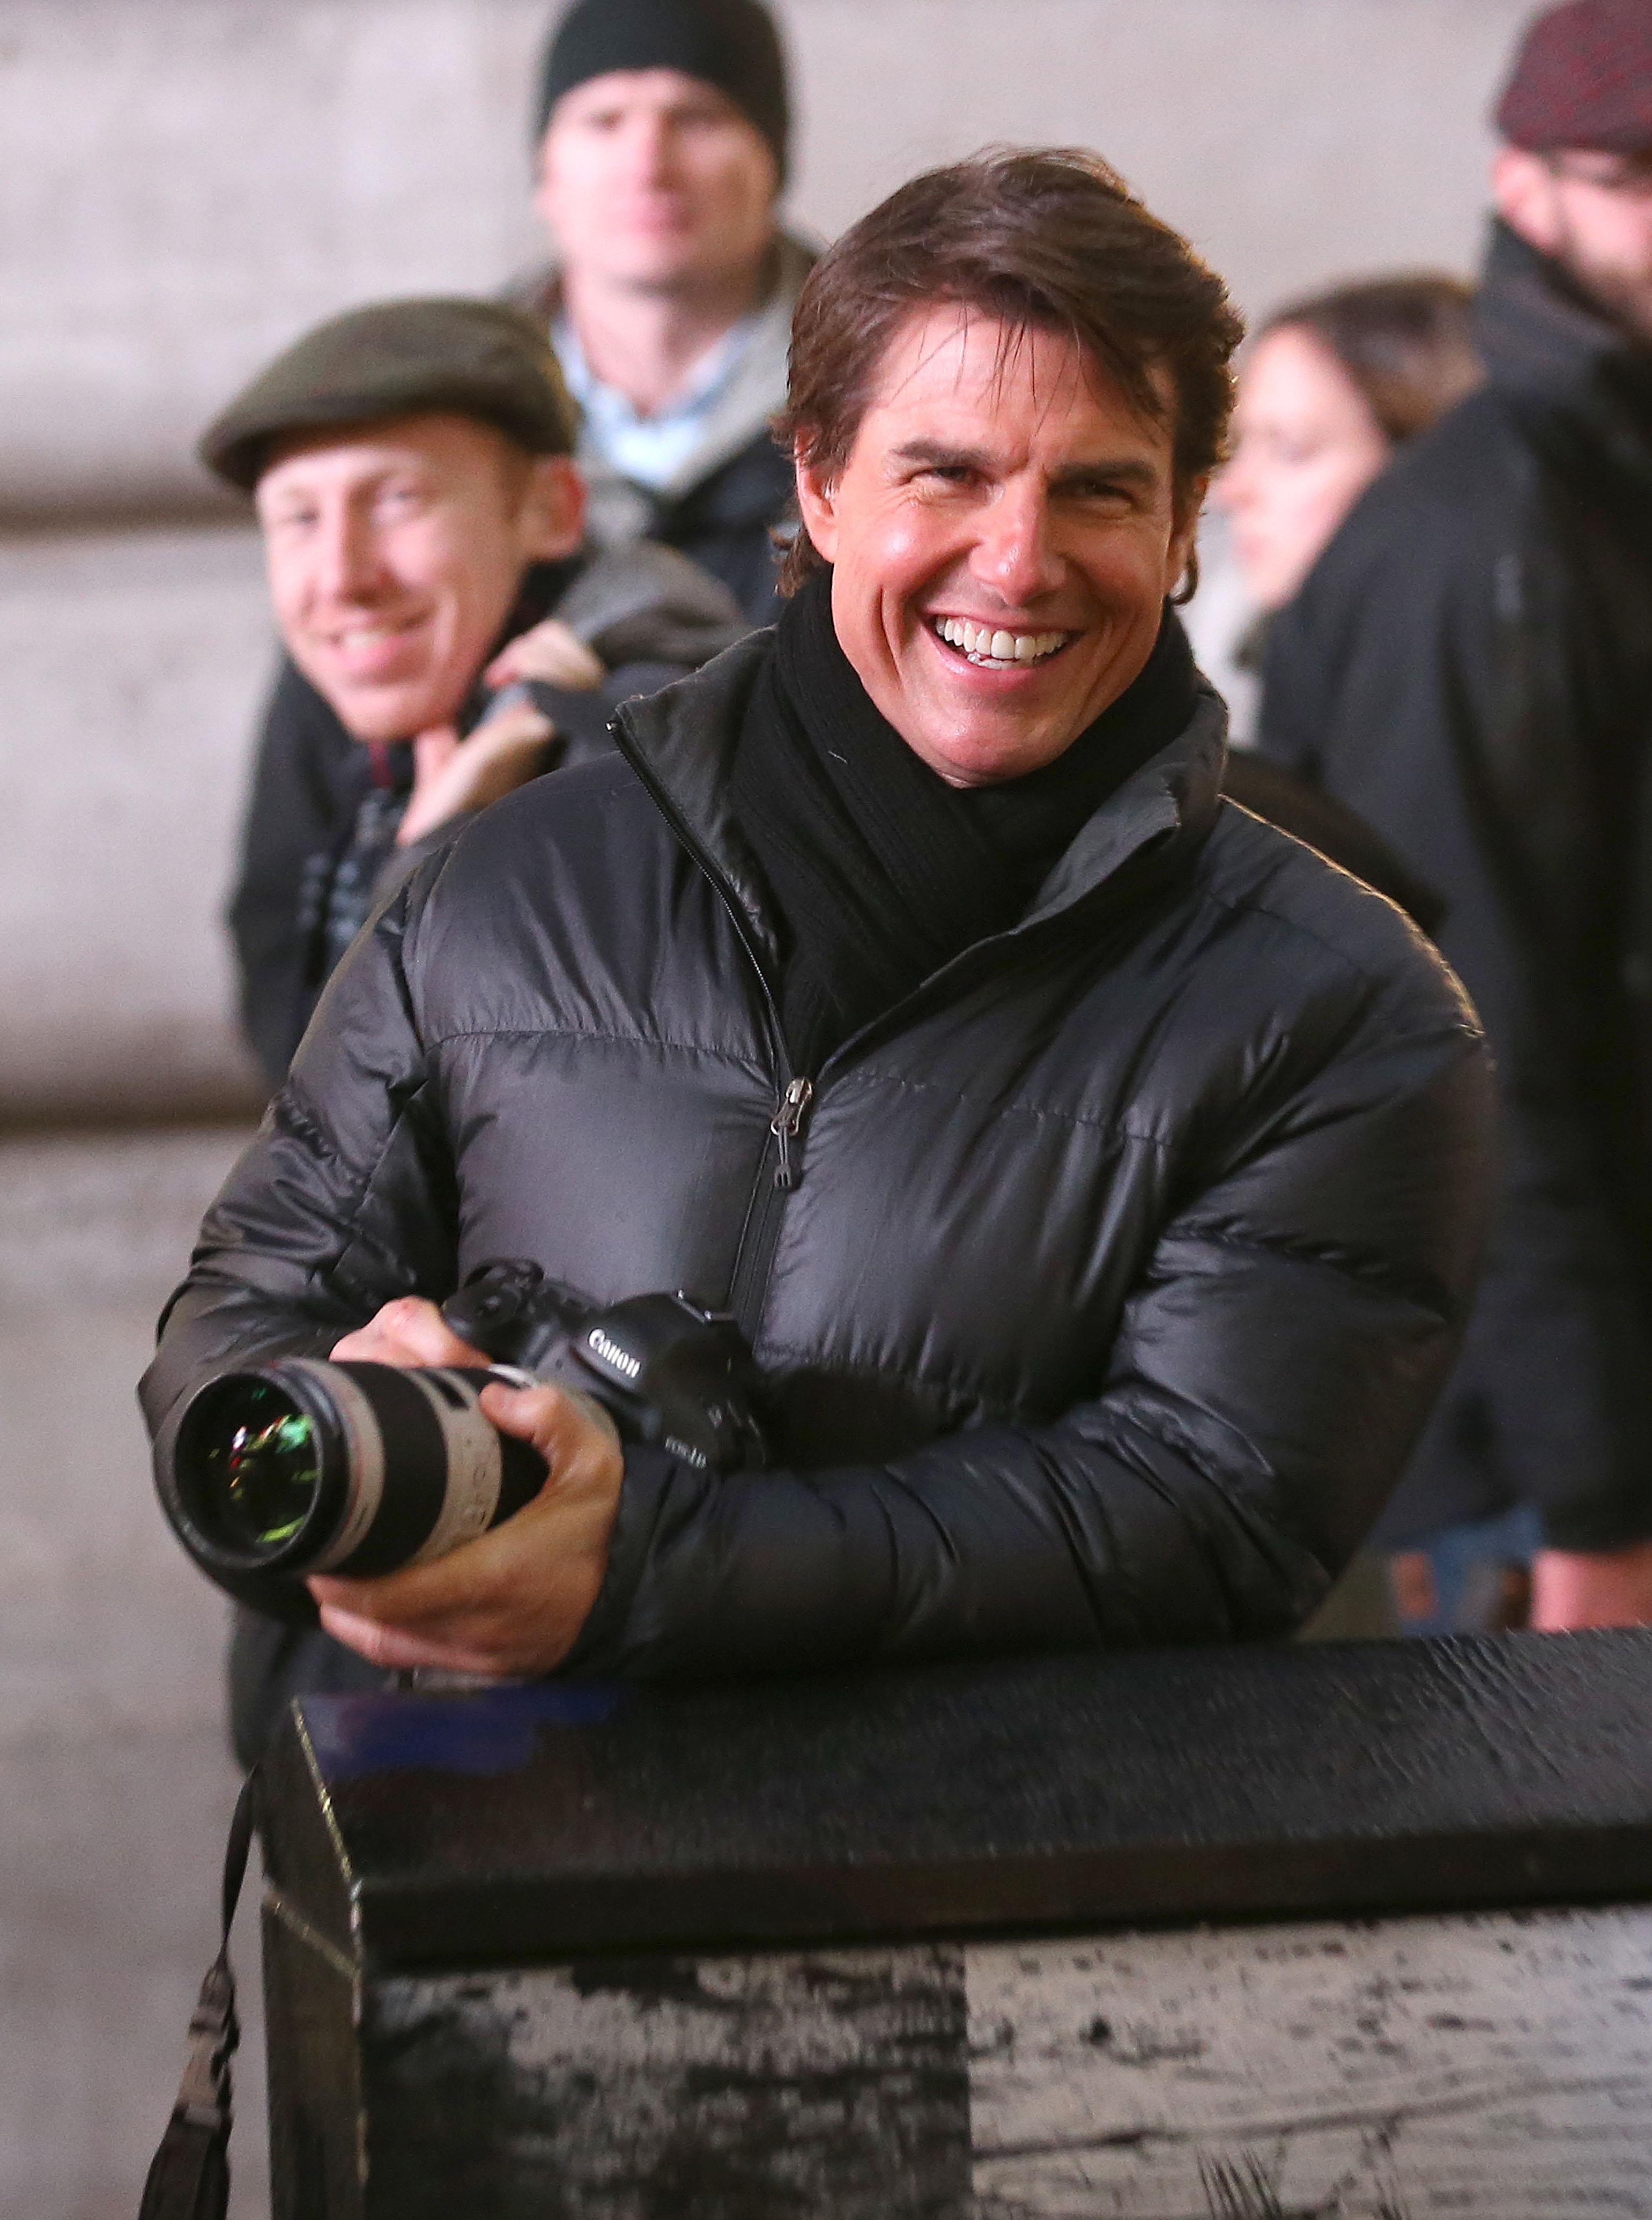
x: 411, y: 464
x: 1097, y: 1172
x: 661, y: 131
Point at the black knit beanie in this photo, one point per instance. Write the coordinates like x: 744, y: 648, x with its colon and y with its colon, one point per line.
x: 732, y: 44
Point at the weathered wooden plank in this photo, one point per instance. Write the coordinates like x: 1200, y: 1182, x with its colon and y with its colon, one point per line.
x: 1494, y: 2068
x: 824, y: 2087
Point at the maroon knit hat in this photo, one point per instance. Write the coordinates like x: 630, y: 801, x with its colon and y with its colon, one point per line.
x: 1582, y: 78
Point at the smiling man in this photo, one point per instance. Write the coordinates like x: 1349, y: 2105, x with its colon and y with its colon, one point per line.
x: 1097, y: 1173
x: 411, y: 466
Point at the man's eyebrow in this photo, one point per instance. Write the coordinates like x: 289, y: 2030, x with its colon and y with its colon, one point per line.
x: 1132, y: 469
x: 938, y: 451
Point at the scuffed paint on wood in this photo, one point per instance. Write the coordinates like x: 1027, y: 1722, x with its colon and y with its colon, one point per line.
x: 658, y: 2089
x: 1495, y: 2067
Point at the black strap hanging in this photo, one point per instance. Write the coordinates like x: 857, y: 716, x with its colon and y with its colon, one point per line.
x: 189, y: 2176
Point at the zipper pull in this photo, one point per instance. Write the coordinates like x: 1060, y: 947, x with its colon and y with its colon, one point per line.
x: 786, y: 1125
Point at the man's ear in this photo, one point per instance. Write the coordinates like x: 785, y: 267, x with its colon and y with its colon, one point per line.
x: 1181, y: 563
x: 817, y: 503
x: 1522, y: 186
x: 550, y: 521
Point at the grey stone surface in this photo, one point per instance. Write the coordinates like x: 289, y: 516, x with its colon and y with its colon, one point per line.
x: 133, y: 665
x: 190, y: 181
x: 116, y: 1785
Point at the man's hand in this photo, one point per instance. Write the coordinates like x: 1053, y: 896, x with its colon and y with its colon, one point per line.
x: 1574, y: 1588
x: 513, y: 1602
x: 451, y: 774
x: 550, y: 653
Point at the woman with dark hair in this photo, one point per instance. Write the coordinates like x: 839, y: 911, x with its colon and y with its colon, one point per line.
x: 1332, y: 385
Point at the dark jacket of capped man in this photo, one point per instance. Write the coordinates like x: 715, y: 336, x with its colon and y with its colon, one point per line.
x: 1470, y: 667
x: 1114, y: 1270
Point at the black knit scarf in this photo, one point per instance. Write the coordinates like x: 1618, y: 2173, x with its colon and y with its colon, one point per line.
x: 881, y: 871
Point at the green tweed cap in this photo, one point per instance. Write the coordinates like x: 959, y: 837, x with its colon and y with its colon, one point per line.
x: 474, y: 358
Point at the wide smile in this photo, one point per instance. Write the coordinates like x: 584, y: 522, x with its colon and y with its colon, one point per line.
x: 990, y: 647
x: 369, y: 649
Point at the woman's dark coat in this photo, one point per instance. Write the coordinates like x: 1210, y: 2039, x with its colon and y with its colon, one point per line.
x: 1470, y: 667
x: 1124, y: 1260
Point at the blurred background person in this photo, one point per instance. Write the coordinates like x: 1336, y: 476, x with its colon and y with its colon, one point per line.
x: 412, y: 469
x: 1330, y: 388
x: 663, y: 130
x: 1469, y: 665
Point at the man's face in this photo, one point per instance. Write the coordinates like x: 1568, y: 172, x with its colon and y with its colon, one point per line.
x: 394, y: 551
x: 1591, y: 213
x: 1002, y: 536
x: 654, y: 180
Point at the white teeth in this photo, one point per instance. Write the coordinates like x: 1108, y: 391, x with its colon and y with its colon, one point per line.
x: 982, y: 645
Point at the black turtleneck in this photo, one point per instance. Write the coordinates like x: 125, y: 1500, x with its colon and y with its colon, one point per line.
x: 881, y: 871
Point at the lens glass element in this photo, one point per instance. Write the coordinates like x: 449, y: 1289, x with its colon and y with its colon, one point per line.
x: 260, y: 1466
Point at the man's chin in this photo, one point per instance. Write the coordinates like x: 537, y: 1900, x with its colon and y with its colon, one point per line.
x: 387, y: 714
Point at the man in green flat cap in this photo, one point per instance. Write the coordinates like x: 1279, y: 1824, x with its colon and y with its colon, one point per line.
x: 423, y: 519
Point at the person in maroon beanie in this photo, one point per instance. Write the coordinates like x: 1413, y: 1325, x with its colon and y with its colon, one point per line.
x: 1469, y: 665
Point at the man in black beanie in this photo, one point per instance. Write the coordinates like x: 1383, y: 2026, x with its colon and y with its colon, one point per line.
x: 662, y: 128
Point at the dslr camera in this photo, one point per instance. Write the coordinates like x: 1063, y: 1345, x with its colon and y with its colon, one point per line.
x: 304, y: 1466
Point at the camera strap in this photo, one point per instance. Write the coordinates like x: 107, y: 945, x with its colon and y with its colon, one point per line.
x: 189, y: 2176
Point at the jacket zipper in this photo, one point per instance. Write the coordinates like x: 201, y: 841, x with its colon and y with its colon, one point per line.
x: 787, y: 1125
x: 760, y: 1234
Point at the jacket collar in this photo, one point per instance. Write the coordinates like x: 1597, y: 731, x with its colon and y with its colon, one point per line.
x: 681, y: 742
x: 1578, y: 379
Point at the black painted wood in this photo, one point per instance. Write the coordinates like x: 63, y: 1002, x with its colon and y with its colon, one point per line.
x: 563, y: 1821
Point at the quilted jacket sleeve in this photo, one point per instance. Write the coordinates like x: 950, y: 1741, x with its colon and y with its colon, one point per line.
x: 329, y: 1214
x: 1273, y: 1366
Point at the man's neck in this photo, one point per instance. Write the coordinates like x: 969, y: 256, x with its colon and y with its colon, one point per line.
x: 646, y: 344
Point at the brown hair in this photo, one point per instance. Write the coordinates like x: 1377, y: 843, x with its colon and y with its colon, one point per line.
x: 1407, y: 342
x: 1047, y: 238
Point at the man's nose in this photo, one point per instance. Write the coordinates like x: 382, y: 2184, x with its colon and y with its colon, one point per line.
x: 1016, y: 554
x: 650, y: 146
x: 348, y: 564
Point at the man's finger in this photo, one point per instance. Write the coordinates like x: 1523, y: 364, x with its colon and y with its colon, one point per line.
x: 399, y: 1652
x: 409, y: 1331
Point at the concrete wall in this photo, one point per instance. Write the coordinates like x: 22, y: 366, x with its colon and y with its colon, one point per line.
x: 189, y: 182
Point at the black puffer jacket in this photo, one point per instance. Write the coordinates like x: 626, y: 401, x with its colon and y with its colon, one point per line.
x: 1470, y: 667
x: 1124, y: 1260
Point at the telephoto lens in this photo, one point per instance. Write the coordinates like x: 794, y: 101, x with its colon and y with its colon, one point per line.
x: 300, y: 1466
x: 304, y: 1467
